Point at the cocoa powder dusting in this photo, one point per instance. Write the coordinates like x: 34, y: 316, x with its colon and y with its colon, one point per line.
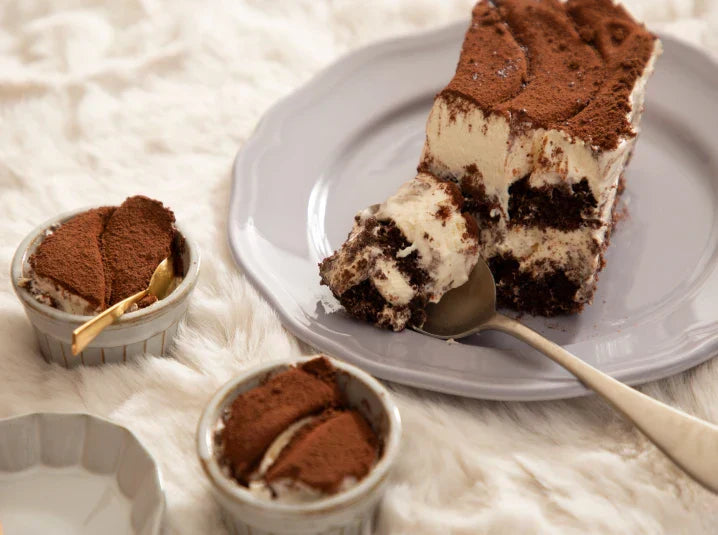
x: 626, y: 48
x: 71, y: 256
x: 563, y: 70
x: 489, y: 49
x: 339, y: 444
x: 549, y: 64
x: 258, y: 416
x: 138, y: 236
x: 106, y: 254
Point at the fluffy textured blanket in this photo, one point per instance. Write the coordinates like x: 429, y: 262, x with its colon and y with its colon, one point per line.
x: 100, y: 100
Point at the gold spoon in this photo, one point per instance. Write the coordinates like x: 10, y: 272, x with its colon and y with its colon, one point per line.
x: 689, y: 442
x: 159, y: 287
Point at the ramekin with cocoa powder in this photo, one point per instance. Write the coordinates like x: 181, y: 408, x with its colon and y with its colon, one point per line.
x: 351, y: 393
x: 147, y: 330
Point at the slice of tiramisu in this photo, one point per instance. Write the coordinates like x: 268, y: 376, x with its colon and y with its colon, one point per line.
x: 403, y: 254
x: 536, y: 127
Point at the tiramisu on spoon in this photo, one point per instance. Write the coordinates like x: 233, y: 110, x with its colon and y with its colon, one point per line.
x: 689, y: 442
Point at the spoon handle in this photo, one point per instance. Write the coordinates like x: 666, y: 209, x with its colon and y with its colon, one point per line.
x: 688, y: 441
x: 87, y: 332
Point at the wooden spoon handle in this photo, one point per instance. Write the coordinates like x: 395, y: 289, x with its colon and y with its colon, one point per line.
x: 689, y: 442
x: 87, y: 332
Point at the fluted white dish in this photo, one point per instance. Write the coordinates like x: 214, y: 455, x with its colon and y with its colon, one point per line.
x: 346, y: 513
x: 76, y: 474
x: 148, y: 330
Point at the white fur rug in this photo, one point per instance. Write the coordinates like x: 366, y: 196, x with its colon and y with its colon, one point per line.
x: 100, y: 100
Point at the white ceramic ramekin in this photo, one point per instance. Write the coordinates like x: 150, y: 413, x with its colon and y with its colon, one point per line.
x: 150, y: 329
x: 77, y: 473
x: 346, y: 513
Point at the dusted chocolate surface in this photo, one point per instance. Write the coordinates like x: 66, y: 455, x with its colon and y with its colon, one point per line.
x: 71, y: 256
x: 337, y: 445
x: 295, y: 434
x: 258, y: 416
x: 548, y: 64
x: 107, y: 254
x: 138, y: 236
x: 625, y: 47
x: 492, y: 67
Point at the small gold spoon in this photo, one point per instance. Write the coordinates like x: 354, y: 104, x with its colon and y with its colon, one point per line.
x: 159, y: 287
x: 689, y: 442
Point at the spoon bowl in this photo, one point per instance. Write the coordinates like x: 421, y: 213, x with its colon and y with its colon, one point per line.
x: 161, y: 281
x: 461, y: 310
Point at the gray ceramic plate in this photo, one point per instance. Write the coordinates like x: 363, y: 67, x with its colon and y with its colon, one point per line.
x: 354, y: 133
x: 75, y: 474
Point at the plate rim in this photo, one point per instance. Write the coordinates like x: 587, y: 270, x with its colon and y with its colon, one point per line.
x: 542, y: 389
